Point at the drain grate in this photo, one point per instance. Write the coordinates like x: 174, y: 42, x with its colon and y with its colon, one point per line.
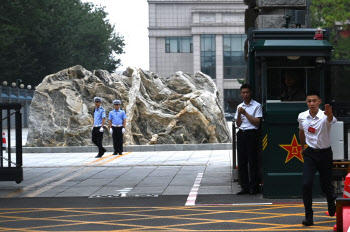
x: 123, y: 195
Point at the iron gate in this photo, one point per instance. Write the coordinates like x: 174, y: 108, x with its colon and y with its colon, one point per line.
x: 11, y: 167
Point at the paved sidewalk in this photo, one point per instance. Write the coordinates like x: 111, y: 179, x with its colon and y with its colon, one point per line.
x: 134, y: 173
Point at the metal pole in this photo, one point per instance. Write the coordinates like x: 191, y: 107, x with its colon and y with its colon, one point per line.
x: 18, y: 138
x: 9, y: 137
x: 1, y: 151
x: 234, y: 155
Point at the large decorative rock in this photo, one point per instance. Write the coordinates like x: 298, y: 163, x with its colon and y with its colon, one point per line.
x: 180, y: 109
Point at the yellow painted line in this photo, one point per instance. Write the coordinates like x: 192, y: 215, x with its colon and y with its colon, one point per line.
x: 19, y: 191
x: 272, y: 227
x: 78, y: 173
x: 116, y: 157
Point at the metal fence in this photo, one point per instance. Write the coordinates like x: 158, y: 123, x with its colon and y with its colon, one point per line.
x: 17, y: 95
x: 11, y: 164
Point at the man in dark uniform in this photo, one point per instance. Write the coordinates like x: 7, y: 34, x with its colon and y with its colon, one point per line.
x: 314, y: 131
x: 117, y: 121
x: 97, y: 129
x: 248, y: 117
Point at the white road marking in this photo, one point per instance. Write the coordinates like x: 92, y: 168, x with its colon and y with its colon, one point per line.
x: 192, y: 196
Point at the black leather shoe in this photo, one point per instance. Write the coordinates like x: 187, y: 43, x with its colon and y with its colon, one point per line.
x: 98, y: 156
x: 243, y: 192
x: 331, y: 208
x: 306, y: 222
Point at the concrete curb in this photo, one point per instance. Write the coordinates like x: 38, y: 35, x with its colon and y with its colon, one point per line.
x: 131, y: 148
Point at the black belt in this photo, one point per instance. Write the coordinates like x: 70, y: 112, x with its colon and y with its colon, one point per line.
x: 319, y: 150
x: 249, y: 130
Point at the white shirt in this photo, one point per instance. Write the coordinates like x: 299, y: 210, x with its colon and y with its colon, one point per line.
x: 320, y: 139
x: 253, y: 109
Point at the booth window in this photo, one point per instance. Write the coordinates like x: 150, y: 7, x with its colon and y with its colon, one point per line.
x: 285, y: 84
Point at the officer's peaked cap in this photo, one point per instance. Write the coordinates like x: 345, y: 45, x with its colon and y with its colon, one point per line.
x: 117, y: 102
x: 97, y: 99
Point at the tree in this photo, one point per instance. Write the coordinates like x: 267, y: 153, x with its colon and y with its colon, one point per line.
x: 40, y: 37
x: 333, y: 14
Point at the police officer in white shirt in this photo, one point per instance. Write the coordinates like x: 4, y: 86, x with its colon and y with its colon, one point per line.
x: 314, y: 131
x: 97, y: 129
x: 248, y: 117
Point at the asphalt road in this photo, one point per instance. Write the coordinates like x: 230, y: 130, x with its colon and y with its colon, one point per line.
x: 162, y: 213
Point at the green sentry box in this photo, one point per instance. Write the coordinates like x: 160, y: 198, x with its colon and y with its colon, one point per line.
x: 283, y: 163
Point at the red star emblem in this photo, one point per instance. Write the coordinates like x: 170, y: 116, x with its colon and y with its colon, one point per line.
x: 294, y: 149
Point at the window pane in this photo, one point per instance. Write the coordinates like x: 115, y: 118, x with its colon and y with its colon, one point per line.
x: 178, y: 44
x: 208, y: 64
x: 231, y: 100
x: 185, y: 44
x: 234, y: 63
x: 173, y: 44
x: 227, y: 43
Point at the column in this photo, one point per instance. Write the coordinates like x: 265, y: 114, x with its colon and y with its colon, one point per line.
x: 196, y: 40
x: 220, y: 66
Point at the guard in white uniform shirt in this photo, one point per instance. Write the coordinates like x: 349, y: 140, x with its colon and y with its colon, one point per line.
x: 117, y: 121
x: 314, y: 131
x: 97, y: 129
x: 248, y: 117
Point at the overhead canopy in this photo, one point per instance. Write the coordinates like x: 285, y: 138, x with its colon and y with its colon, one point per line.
x: 292, y: 48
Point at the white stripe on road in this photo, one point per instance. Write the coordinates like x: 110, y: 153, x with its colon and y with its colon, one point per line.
x: 192, y: 196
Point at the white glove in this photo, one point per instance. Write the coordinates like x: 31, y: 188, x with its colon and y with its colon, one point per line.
x: 123, y: 130
x: 111, y: 130
x: 101, y: 129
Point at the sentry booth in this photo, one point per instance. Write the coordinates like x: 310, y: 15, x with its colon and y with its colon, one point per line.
x: 284, y: 64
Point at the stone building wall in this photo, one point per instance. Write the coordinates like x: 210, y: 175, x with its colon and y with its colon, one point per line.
x: 270, y: 13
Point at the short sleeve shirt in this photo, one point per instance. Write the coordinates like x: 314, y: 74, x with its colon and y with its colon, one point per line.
x: 117, y: 117
x: 254, y: 109
x: 317, y: 129
x: 99, y: 114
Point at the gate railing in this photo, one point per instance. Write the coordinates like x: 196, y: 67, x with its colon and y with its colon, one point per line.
x: 10, y: 168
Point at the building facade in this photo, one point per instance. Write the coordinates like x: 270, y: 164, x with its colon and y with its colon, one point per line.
x: 200, y: 35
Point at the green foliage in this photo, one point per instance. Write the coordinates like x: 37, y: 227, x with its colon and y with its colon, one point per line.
x: 40, y: 37
x: 333, y: 14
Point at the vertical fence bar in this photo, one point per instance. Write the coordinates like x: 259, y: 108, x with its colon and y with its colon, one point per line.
x: 1, y: 151
x: 234, y: 155
x: 9, y: 136
x: 18, y: 138
x: 14, y: 170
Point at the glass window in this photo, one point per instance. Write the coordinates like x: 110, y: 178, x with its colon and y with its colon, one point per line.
x: 231, y: 100
x: 208, y: 53
x: 178, y: 44
x: 234, y: 64
x: 286, y: 84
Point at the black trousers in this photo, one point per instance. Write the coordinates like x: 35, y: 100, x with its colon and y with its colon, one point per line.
x: 321, y: 161
x: 117, y: 140
x: 96, y: 137
x: 247, y: 149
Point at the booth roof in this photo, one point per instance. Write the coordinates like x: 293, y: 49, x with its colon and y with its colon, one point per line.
x: 292, y: 45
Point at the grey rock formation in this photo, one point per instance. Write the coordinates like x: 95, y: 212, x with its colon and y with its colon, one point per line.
x: 180, y: 109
